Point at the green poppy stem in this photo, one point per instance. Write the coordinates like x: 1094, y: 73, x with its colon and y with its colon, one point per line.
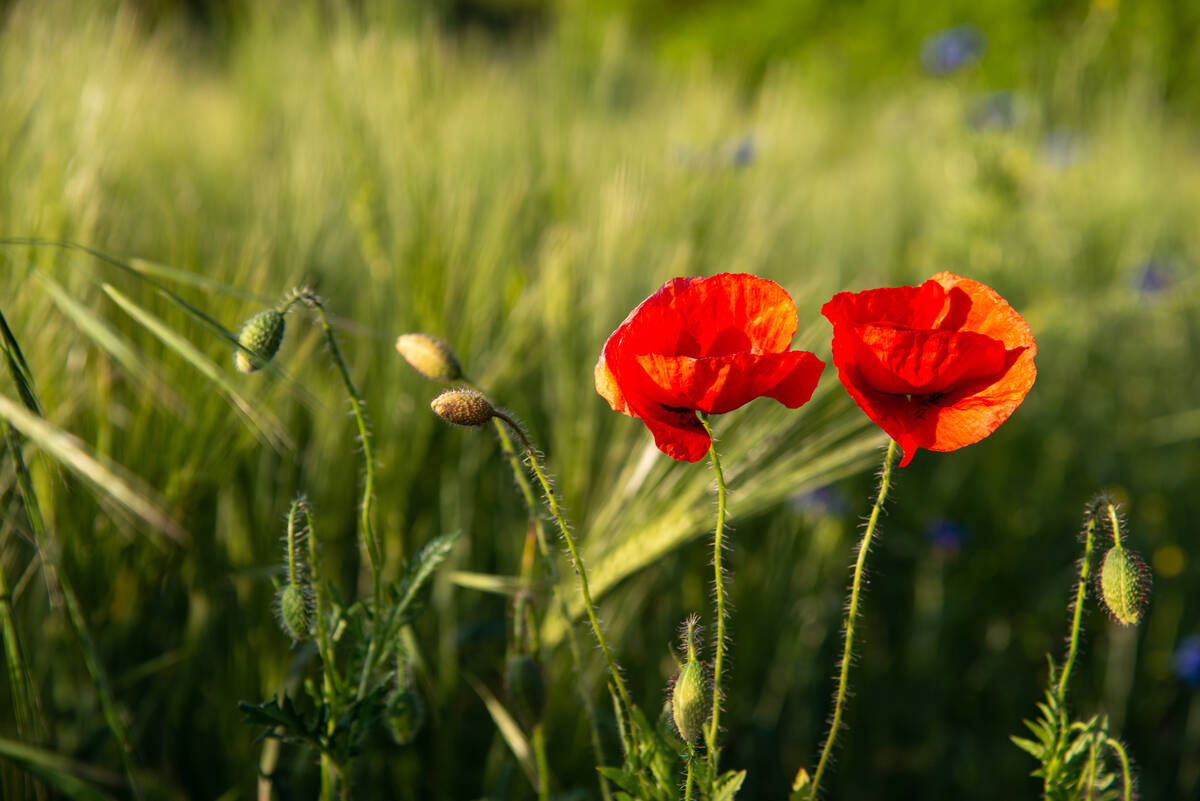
x: 851, y: 616
x: 580, y: 572
x: 714, y: 751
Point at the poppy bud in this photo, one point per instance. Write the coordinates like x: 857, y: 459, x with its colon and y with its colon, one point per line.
x: 293, y: 611
x: 526, y: 687
x: 405, y: 715
x: 429, y: 356
x: 689, y: 701
x: 259, y: 339
x: 1123, y: 585
x: 463, y: 407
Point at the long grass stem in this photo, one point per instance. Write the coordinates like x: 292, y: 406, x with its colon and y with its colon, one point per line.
x: 864, y: 544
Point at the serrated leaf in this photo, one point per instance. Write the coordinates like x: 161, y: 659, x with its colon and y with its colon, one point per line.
x: 1041, y: 731
x: 728, y: 785
x: 1028, y: 745
x: 622, y: 778
x: 424, y: 562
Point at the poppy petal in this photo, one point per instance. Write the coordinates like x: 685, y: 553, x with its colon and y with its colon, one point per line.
x: 907, y: 362
x: 720, y: 384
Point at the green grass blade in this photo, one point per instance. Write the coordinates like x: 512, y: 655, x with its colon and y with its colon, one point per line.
x: 264, y: 423
x: 114, y: 344
x: 105, y: 476
x: 509, y: 729
x: 56, y: 770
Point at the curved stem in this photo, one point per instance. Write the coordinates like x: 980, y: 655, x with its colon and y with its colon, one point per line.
x: 1126, y: 777
x: 714, y: 753
x: 1116, y: 524
x: 1077, y: 617
x: 576, y: 560
x: 851, y: 615
x: 519, y: 475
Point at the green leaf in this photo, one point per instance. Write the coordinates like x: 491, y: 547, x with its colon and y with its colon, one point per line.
x: 509, y: 729
x: 728, y: 785
x: 104, y: 475
x: 263, y: 422
x: 1028, y: 745
x: 18, y: 368
x: 421, y: 568
x: 622, y: 778
x: 114, y: 344
x: 56, y: 770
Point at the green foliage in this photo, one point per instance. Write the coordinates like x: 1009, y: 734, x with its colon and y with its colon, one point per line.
x: 1073, y: 755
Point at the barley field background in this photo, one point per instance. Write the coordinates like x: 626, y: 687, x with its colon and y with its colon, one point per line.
x: 514, y: 177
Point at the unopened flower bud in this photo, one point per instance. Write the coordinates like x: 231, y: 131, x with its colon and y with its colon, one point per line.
x: 259, y: 339
x: 405, y: 715
x: 1123, y: 585
x: 463, y: 407
x: 526, y: 687
x: 689, y: 701
x: 293, y: 611
x: 429, y: 356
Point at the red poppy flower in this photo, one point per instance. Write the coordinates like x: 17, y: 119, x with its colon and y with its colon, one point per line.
x: 709, y: 345
x: 936, y: 366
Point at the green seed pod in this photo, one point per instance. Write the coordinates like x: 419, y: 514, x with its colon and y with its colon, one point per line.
x: 463, y: 407
x: 293, y: 611
x: 259, y: 339
x: 405, y: 715
x: 526, y: 687
x: 429, y: 356
x: 689, y: 701
x: 1123, y: 585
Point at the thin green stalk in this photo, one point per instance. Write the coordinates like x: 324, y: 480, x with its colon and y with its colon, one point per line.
x: 543, y: 766
x: 552, y: 570
x: 1116, y: 524
x: 714, y: 751
x: 374, y: 556
x: 576, y: 560
x: 20, y: 685
x: 1126, y: 776
x: 851, y: 616
x: 75, y: 614
x: 1077, y: 618
x: 687, y: 786
x: 329, y: 667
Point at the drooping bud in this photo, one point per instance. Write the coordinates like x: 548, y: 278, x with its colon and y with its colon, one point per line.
x: 259, y: 338
x: 405, y: 715
x: 525, y: 684
x: 689, y: 694
x: 1123, y: 585
x: 463, y: 407
x: 429, y: 356
x: 293, y: 611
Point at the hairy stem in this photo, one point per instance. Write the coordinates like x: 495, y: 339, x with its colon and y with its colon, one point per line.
x: 576, y: 560
x: 1126, y: 776
x: 851, y: 616
x: 714, y: 752
x: 519, y: 475
x: 1077, y: 617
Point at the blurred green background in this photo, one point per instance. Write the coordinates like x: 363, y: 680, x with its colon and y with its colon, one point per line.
x: 515, y: 176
